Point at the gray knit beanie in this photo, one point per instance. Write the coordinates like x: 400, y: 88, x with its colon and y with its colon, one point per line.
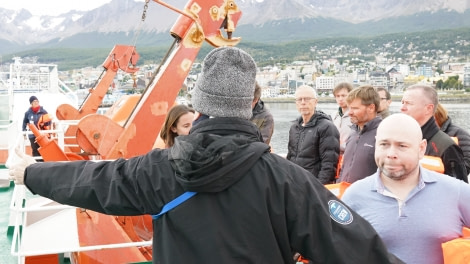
x: 226, y: 85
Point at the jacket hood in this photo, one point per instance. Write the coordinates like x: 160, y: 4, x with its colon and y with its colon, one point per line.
x: 217, y: 153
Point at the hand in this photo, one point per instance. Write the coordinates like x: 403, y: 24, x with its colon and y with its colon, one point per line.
x: 17, y: 167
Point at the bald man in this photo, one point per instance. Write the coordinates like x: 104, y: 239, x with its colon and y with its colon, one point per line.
x: 413, y: 209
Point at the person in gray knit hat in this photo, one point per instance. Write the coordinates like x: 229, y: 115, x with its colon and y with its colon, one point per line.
x: 226, y: 85
x: 237, y: 202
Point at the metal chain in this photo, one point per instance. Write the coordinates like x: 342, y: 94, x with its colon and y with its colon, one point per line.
x: 139, y: 27
x: 144, y: 13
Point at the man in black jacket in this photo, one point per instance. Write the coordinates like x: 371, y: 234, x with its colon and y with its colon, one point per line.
x: 313, y: 138
x: 250, y: 206
x: 420, y: 102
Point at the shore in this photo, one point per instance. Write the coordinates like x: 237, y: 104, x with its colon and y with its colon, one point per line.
x: 444, y: 98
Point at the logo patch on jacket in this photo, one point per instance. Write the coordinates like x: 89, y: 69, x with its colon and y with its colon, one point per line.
x: 340, y: 213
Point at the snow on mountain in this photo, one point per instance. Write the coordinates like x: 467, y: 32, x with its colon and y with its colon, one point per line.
x: 22, y: 28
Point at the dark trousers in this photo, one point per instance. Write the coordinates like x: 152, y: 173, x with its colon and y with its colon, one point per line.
x: 35, y: 147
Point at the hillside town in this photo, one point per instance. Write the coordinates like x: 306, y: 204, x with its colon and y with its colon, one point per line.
x: 444, y: 69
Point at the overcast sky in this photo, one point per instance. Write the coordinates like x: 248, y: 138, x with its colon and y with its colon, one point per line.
x: 52, y: 7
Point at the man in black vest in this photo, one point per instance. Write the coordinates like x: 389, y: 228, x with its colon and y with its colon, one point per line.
x: 420, y: 102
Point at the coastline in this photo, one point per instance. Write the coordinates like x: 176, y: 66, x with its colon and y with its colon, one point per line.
x: 443, y: 98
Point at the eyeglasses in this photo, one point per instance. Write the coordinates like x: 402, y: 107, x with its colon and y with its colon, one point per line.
x: 383, y: 98
x: 306, y: 99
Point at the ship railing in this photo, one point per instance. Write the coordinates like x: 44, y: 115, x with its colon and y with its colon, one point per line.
x: 57, y: 133
x: 63, y: 88
x: 20, y: 209
x: 57, y: 221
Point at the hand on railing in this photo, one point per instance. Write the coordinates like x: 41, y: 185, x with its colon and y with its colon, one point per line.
x: 18, y: 165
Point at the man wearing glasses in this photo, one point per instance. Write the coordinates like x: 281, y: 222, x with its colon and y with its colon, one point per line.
x: 313, y: 138
x: 385, y: 101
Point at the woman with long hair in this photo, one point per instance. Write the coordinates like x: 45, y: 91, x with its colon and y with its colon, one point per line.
x: 178, y: 122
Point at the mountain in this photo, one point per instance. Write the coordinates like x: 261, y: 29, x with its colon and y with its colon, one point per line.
x: 268, y: 21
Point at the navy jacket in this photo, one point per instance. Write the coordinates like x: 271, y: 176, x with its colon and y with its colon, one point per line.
x: 31, y: 117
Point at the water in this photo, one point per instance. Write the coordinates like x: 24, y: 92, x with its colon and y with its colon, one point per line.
x: 285, y: 113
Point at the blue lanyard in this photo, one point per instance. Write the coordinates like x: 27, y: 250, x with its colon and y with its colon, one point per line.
x: 173, y: 203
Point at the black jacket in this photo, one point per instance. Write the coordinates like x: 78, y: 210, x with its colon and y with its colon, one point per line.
x: 315, y: 146
x: 251, y: 207
x: 462, y: 135
x: 451, y: 156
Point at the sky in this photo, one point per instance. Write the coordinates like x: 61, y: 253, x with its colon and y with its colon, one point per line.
x: 52, y: 7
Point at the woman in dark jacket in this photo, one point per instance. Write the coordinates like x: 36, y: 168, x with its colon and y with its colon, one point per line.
x: 445, y: 123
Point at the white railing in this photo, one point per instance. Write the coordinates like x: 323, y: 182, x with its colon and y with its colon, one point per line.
x: 63, y: 88
x: 20, y: 214
x: 20, y: 208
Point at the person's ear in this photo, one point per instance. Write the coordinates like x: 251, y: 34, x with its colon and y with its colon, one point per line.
x: 422, y: 148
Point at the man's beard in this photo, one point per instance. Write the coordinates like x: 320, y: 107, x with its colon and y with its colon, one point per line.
x: 396, y: 175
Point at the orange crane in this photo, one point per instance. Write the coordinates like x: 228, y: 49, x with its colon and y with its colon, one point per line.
x: 199, y: 21
x: 121, y: 57
x: 100, y: 135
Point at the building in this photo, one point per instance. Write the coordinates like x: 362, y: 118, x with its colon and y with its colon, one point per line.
x: 466, y: 75
x: 379, y: 79
x: 325, y: 84
x: 424, y: 70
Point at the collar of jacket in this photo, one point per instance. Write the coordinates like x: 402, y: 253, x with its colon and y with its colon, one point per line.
x: 429, y: 128
x: 224, y: 126
x: 318, y: 115
x: 372, y: 124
